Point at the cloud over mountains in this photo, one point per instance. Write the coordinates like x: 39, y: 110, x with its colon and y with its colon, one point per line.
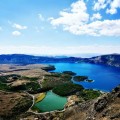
x: 79, y: 22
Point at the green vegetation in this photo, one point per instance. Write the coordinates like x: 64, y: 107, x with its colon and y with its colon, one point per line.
x: 6, y: 78
x: 32, y: 86
x: 60, y: 83
x: 30, y: 78
x: 54, y: 74
x: 80, y: 78
x: 48, y: 68
x: 69, y: 73
x: 67, y: 89
x: 88, y: 94
x: 3, y: 79
x: 13, y: 77
x: 34, y: 108
x: 55, y: 79
x: 3, y: 86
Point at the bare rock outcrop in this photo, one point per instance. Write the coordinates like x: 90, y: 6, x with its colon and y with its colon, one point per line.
x: 106, y: 107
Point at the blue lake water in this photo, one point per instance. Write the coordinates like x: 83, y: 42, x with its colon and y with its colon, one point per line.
x: 105, y: 77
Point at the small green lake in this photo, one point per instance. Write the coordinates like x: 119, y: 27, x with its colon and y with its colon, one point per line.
x: 51, y: 102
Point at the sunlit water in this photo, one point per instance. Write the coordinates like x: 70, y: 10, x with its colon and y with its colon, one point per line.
x: 105, y: 77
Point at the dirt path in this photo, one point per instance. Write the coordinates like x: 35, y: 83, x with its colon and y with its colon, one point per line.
x: 41, y: 80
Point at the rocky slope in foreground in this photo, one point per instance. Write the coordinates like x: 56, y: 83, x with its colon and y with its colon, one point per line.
x: 106, y: 107
x: 13, y: 104
x: 112, y: 60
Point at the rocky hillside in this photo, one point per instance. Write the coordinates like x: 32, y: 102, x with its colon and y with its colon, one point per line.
x: 29, y: 59
x: 112, y: 60
x: 13, y: 104
x: 106, y: 107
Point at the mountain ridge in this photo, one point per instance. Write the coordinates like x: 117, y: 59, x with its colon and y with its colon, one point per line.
x: 31, y: 59
x: 110, y: 59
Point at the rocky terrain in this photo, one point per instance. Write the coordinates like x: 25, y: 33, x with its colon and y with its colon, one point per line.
x: 111, y: 60
x: 13, y: 104
x: 106, y: 107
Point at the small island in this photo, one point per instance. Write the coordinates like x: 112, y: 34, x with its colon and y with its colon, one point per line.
x: 48, y: 68
x: 80, y: 78
x: 89, y: 80
x: 69, y: 73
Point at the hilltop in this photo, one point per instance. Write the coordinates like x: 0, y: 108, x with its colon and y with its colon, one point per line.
x: 111, y: 60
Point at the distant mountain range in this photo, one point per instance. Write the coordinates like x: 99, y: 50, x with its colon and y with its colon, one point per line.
x: 30, y: 59
x: 111, y: 59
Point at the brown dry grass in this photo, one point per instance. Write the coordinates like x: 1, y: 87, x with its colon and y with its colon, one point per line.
x: 19, y: 82
x: 33, y: 70
x: 9, y: 100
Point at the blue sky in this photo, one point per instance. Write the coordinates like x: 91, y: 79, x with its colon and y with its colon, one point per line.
x: 59, y: 27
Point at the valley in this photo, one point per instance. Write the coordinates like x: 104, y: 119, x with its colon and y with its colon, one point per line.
x: 52, y: 91
x: 41, y: 87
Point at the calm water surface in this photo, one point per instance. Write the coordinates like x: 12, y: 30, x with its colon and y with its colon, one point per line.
x: 51, y: 102
x: 105, y: 77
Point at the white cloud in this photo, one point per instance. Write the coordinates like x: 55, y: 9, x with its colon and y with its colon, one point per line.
x: 96, y: 16
x: 76, y: 16
x: 41, y: 17
x: 111, y: 11
x: 16, y: 33
x: 50, y: 50
x: 77, y: 22
x: 50, y: 18
x: 113, y: 7
x: 19, y: 27
x: 106, y: 28
x: 97, y: 28
x: 100, y: 4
